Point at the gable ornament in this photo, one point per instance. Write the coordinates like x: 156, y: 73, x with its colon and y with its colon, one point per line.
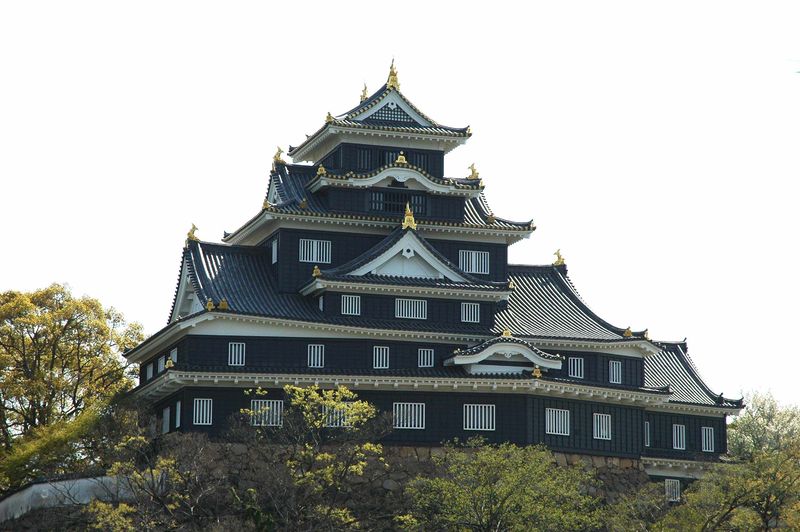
x: 409, y: 221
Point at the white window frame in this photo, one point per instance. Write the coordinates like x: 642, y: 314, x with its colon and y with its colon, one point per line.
x: 556, y: 421
x: 470, y: 312
x: 335, y: 417
x: 162, y: 362
x: 236, y: 353
x: 479, y: 417
x: 615, y: 371
x: 679, y: 437
x: 472, y: 261
x: 576, y: 367
x: 601, y: 426
x: 351, y: 305
x: 410, y: 309
x: 173, y: 355
x: 165, y: 420
x: 321, y: 303
x: 380, y: 357
x: 177, y: 414
x: 316, y: 355
x: 647, y: 434
x: 266, y: 412
x: 314, y: 250
x: 408, y: 416
x: 707, y: 439
x: 274, y: 250
x: 203, y: 411
x: 148, y: 371
x: 425, y: 357
x: 672, y: 489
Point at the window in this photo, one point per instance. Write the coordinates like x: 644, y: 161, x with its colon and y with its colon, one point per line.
x: 274, y: 250
x: 679, y: 437
x: 236, y: 354
x: 556, y: 421
x: 335, y: 417
x: 202, y: 412
x: 177, y: 414
x: 363, y: 159
x: 419, y: 204
x: 316, y: 355
x: 394, y: 202
x: 425, y: 358
x: 576, y: 367
x: 409, y: 415
x: 615, y: 372
x: 149, y: 371
x: 165, y: 420
x: 414, y: 309
x: 479, y: 417
x: 380, y: 357
x: 471, y: 312
x: 647, y: 434
x: 707, y: 434
x: 351, y: 305
x: 266, y: 412
x: 173, y: 355
x: 316, y: 251
x: 321, y: 303
x: 418, y: 159
x: 602, y: 427
x: 473, y: 261
x: 161, y: 361
x: 672, y: 489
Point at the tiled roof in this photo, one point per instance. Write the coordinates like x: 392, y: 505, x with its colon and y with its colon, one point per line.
x: 506, y: 340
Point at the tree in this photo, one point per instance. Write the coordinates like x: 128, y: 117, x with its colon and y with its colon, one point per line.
x: 764, y: 425
x: 502, y: 488
x: 59, y: 355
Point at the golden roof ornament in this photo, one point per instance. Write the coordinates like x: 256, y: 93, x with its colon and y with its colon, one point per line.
x: 223, y: 304
x: 473, y: 173
x: 391, y: 81
x: 277, y: 157
x: 559, y: 258
x: 511, y: 284
x: 328, y: 118
x: 647, y: 334
x: 506, y: 333
x: 490, y: 219
x: 303, y: 203
x: 169, y: 363
x: 537, y: 373
x: 628, y: 333
x: 316, y: 272
x: 191, y: 235
x: 266, y: 205
x: 321, y: 171
x: 401, y: 159
x: 364, y: 93
x: 408, y: 221
x: 210, y: 305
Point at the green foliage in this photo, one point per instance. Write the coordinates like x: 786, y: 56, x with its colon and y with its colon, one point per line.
x: 764, y: 425
x: 502, y: 488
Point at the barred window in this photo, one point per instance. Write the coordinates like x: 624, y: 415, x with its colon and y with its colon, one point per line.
x: 576, y: 367
x: 148, y: 371
x: 321, y: 303
x: 177, y: 414
x: 425, y: 358
x: 679, y: 437
x: 418, y: 159
x: 274, y: 250
x: 335, y: 417
x: 162, y: 360
x: 165, y: 420
x: 363, y: 159
x: 236, y: 353
x: 316, y: 251
x: 479, y: 417
x: 409, y: 415
x: 647, y: 434
x: 202, y: 412
x: 316, y: 355
x: 414, y: 309
x: 380, y: 357
x: 707, y: 434
x: 602, y: 427
x: 473, y: 261
x: 556, y: 421
x: 471, y: 312
x: 615, y: 372
x: 266, y: 412
x: 173, y: 355
x: 351, y: 305
x: 672, y: 489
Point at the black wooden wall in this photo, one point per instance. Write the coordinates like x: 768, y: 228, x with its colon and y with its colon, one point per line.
x: 344, y: 157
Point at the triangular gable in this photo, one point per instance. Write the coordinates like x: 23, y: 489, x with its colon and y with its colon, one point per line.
x: 409, y: 257
x: 186, y: 300
x: 392, y: 107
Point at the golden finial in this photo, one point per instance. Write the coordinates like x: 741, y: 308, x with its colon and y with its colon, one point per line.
x: 506, y: 333
x: 223, y: 304
x: 559, y: 258
x: 537, y: 373
x: 364, y: 93
x: 627, y: 333
x: 409, y: 221
x: 490, y: 219
x: 266, y: 205
x: 401, y: 159
x: 191, y: 234
x: 321, y: 171
x: 391, y: 81
x: 329, y: 118
x: 277, y: 157
x: 473, y: 173
x: 209, y: 305
x: 169, y: 363
x: 303, y: 203
x: 316, y: 272
x: 511, y: 284
x: 647, y: 334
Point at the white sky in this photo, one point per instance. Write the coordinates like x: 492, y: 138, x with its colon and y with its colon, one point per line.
x: 655, y: 143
